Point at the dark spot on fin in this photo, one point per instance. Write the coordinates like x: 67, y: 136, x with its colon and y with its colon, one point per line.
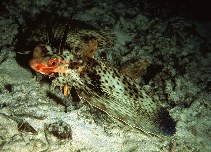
x: 95, y: 83
x: 165, y: 122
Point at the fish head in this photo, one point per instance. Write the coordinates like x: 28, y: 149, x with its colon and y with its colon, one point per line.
x: 44, y: 66
x: 47, y: 64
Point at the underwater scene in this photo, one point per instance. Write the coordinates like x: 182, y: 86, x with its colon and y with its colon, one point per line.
x: 105, y: 76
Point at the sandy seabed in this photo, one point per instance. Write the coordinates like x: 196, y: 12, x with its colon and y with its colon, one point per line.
x: 175, y: 49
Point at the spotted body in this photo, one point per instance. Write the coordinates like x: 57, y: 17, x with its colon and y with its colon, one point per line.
x: 103, y: 86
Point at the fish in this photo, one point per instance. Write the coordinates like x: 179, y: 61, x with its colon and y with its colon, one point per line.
x: 100, y: 84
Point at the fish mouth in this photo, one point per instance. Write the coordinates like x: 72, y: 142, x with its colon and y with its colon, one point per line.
x: 41, y: 68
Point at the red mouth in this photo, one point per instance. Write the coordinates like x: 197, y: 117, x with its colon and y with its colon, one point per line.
x: 41, y: 68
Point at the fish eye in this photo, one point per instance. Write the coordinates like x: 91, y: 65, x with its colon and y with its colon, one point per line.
x: 53, y: 62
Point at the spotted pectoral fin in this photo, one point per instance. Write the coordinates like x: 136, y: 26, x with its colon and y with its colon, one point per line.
x: 157, y: 122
